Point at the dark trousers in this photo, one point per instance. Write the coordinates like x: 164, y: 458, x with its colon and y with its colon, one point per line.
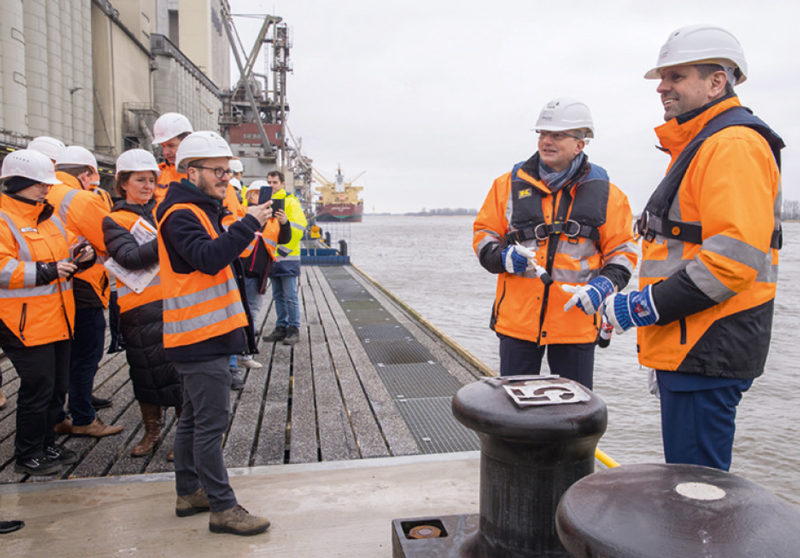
x: 697, y: 427
x: 519, y: 357
x: 87, y: 350
x: 44, y: 374
x: 203, y: 423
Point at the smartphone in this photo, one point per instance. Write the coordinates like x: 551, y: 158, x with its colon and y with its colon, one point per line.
x: 264, y: 195
x: 278, y: 204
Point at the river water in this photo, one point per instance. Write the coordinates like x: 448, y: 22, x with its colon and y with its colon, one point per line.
x: 428, y: 262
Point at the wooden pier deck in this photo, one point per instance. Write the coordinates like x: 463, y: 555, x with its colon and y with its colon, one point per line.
x: 368, y: 379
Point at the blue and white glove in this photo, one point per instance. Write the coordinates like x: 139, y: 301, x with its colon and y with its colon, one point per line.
x: 590, y: 296
x: 625, y: 310
x: 514, y: 260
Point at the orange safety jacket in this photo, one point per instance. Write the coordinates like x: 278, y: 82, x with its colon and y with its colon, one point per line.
x: 83, y: 212
x: 35, y: 314
x: 232, y: 204
x: 578, y: 233
x: 197, y: 306
x: 127, y: 298
x: 716, y: 298
x: 169, y: 174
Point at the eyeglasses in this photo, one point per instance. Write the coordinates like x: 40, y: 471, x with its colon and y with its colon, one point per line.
x: 555, y: 136
x: 219, y: 172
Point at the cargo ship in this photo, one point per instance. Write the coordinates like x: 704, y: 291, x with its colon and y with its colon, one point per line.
x: 339, y: 200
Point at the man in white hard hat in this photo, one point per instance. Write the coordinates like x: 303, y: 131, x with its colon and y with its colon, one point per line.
x: 710, y: 238
x: 205, y: 320
x: 168, y: 131
x: 558, y: 213
x: 82, y: 209
x: 51, y: 147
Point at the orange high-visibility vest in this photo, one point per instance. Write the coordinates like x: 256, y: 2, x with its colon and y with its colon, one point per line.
x: 169, y: 174
x: 127, y: 298
x: 197, y: 306
x: 41, y: 314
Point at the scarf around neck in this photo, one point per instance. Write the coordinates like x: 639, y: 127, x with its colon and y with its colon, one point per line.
x: 556, y: 180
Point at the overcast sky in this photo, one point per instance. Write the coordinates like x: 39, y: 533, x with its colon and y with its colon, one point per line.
x: 435, y: 99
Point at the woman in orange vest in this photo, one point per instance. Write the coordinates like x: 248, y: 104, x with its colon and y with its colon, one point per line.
x: 38, y: 310
x: 156, y: 383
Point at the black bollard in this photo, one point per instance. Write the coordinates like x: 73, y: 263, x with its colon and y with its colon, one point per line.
x: 675, y: 511
x: 328, y: 239
x: 342, y: 248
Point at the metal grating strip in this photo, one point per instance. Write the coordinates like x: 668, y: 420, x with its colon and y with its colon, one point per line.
x: 434, y: 428
x: 396, y: 352
x: 377, y: 316
x: 378, y: 332
x: 368, y: 305
x: 418, y: 381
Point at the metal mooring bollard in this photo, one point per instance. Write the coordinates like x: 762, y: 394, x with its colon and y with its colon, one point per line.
x: 538, y: 436
x: 675, y: 511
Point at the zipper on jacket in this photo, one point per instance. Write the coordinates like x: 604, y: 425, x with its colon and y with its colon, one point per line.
x: 23, y: 318
x: 683, y: 331
x: 496, y: 308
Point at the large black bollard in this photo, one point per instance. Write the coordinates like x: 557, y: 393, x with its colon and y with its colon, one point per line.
x: 532, y: 450
x: 675, y: 511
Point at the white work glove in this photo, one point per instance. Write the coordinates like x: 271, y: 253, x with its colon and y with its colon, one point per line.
x: 515, y: 261
x: 590, y: 296
x: 634, y: 309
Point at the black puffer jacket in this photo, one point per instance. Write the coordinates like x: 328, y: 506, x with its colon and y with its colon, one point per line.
x: 154, y: 378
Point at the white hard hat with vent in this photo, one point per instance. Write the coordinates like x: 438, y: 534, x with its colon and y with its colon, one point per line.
x: 236, y: 165
x: 170, y: 125
x: 236, y: 184
x: 256, y: 185
x: 31, y: 164
x: 201, y: 145
x: 76, y: 156
x: 564, y: 114
x: 135, y: 160
x: 701, y: 44
x: 50, y: 147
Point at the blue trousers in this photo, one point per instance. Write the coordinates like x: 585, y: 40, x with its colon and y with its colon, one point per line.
x: 203, y: 423
x: 519, y: 357
x: 284, y: 293
x: 87, y: 350
x: 698, y: 425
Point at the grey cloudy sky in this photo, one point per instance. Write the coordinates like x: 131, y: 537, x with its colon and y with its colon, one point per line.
x: 436, y: 99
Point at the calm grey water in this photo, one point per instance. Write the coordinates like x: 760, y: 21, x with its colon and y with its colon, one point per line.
x: 428, y: 262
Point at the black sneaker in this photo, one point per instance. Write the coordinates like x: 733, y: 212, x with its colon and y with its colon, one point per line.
x: 237, y: 383
x: 292, y: 336
x: 61, y: 454
x: 278, y: 334
x: 11, y: 526
x: 37, y: 466
x: 100, y: 403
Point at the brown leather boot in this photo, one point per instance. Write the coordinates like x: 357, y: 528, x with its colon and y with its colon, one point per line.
x: 97, y: 429
x: 178, y: 411
x: 237, y: 521
x: 151, y: 417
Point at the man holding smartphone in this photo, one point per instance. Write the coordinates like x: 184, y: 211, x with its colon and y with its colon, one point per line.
x: 283, y: 275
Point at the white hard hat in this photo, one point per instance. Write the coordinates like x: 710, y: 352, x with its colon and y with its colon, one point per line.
x: 77, y: 156
x: 170, y: 125
x: 236, y: 184
x: 135, y: 160
x: 257, y: 185
x: 31, y: 164
x: 47, y: 145
x: 698, y: 44
x: 564, y: 114
x: 201, y: 145
x: 236, y: 165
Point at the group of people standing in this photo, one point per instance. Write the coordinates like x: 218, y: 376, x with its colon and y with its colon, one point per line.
x: 190, y: 264
x: 710, y: 235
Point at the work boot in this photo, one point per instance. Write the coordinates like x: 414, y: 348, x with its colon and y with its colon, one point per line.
x: 292, y: 336
x: 237, y: 383
x: 249, y: 362
x: 97, y: 428
x: 191, y: 504
x: 151, y: 417
x: 100, y: 403
x: 37, y: 466
x: 61, y: 454
x: 237, y: 521
x: 63, y: 427
x: 278, y: 334
x: 3, y: 400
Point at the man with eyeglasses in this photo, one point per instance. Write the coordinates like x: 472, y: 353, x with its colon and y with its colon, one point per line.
x: 206, y: 318
x: 559, y: 213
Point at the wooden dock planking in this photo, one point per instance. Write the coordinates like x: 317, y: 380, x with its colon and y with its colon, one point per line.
x: 321, y: 400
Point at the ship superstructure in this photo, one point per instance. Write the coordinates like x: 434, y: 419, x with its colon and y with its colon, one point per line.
x: 339, y: 200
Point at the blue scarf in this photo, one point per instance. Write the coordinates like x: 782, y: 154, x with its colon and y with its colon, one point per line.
x: 556, y: 180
